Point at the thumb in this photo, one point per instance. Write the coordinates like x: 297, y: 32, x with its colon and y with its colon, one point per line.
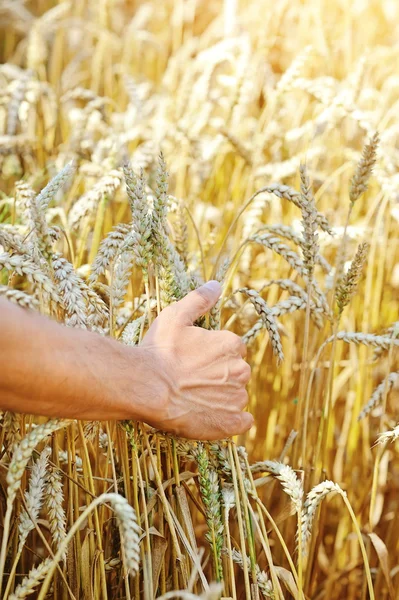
x: 198, y: 302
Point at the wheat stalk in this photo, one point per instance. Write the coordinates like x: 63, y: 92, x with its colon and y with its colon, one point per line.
x: 214, y: 313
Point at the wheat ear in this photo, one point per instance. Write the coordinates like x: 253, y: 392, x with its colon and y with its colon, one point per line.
x: 287, y: 232
x: 289, y: 480
x: 54, y: 498
x: 129, y: 528
x: 376, y: 397
x: 12, y: 428
x: 348, y: 284
x: 210, y: 493
x: 368, y: 339
x: 109, y: 248
x: 17, y: 466
x: 68, y: 286
x: 34, y: 497
x: 31, y: 581
x: 268, y: 319
x: 309, y: 242
x: 18, y: 297
x: 24, y: 265
x: 263, y: 581
x: 312, y: 501
x: 364, y: 169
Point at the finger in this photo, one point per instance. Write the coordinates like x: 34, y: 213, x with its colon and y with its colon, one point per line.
x: 240, y: 424
x: 245, y: 373
x: 198, y: 302
x: 246, y: 423
x: 243, y: 399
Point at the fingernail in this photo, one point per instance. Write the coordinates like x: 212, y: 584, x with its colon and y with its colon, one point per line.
x: 214, y: 286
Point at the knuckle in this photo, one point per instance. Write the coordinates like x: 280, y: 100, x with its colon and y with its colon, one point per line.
x: 244, y: 373
x: 247, y: 371
x: 236, y: 342
x: 227, y: 335
x: 233, y: 340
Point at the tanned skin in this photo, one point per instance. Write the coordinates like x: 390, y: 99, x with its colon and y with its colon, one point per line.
x: 182, y: 379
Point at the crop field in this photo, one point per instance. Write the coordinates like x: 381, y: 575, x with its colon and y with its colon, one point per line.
x: 147, y: 147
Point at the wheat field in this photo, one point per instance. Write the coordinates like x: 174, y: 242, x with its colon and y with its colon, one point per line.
x: 147, y: 147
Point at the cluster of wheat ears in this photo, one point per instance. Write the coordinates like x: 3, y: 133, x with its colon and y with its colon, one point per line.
x: 145, y: 148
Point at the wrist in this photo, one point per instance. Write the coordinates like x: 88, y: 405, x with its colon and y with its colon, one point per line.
x: 143, y: 388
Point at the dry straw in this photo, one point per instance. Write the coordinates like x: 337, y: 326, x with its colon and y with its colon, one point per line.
x: 129, y: 530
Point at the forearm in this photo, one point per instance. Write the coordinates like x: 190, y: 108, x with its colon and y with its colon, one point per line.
x: 47, y: 369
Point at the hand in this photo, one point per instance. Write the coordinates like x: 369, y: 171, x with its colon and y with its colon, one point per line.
x: 204, y: 371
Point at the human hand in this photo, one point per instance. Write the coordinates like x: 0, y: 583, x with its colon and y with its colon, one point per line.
x: 204, y: 371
